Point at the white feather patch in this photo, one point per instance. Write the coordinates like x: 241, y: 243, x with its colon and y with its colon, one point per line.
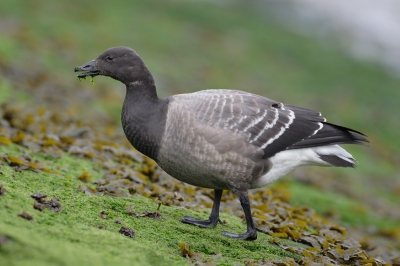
x: 291, y: 117
x: 285, y: 161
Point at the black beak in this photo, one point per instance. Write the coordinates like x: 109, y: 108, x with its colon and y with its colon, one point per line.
x: 88, y: 69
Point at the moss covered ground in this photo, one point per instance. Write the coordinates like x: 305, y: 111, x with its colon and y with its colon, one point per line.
x: 86, y: 231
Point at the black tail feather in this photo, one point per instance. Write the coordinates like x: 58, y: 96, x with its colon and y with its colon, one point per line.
x: 331, y: 134
x: 337, y: 161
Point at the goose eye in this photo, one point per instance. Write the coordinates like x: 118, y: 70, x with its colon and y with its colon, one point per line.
x: 109, y: 58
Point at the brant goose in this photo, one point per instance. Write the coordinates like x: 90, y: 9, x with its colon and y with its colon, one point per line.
x: 220, y: 139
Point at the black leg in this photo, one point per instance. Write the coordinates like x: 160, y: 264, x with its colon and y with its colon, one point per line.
x: 251, y: 233
x: 214, y: 216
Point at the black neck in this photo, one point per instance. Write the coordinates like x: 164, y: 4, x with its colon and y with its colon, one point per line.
x: 144, y: 117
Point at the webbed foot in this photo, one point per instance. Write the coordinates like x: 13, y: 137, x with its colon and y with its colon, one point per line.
x: 214, y: 216
x: 210, y: 222
x: 249, y: 235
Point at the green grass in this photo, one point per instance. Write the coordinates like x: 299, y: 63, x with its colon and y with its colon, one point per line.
x: 9, y: 94
x: 349, y: 211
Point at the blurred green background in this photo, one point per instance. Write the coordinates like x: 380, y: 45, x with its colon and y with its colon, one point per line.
x: 196, y: 45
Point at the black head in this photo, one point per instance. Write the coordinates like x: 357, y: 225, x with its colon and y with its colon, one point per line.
x: 120, y: 63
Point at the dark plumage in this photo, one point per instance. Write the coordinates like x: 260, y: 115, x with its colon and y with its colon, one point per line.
x: 220, y: 139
